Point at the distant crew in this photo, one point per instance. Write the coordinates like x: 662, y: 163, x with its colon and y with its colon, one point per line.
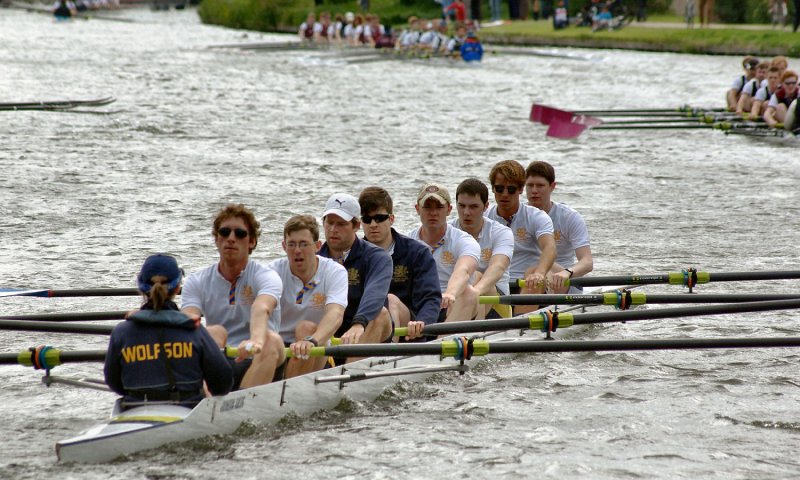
x: 160, y: 354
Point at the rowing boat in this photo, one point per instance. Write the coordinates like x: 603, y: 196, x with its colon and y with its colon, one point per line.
x: 150, y: 426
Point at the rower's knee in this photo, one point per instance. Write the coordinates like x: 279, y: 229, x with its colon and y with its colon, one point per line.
x: 304, y: 329
x: 273, y: 349
x: 219, y: 334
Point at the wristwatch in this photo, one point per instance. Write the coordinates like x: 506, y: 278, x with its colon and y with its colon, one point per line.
x: 570, y: 272
x: 311, y: 339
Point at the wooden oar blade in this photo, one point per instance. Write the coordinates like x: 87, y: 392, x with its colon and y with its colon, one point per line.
x: 565, y: 130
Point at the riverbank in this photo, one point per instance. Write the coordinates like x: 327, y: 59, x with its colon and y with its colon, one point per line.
x: 761, y: 40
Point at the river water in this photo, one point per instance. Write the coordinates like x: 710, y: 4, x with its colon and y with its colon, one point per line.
x: 85, y: 198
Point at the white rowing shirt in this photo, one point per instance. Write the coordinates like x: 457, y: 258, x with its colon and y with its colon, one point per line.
x: 494, y: 239
x: 527, y: 225
x: 454, y: 245
x: 763, y: 94
x: 208, y: 290
x: 751, y: 88
x: 738, y: 84
x: 301, y: 301
x: 569, y: 231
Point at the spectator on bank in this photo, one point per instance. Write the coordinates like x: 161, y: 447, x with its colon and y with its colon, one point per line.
x: 513, y: 9
x: 689, y: 14
x: 475, y: 10
x: 641, y: 10
x: 536, y: 9
x: 497, y: 11
x: 561, y: 17
x: 706, y: 12
x: 796, y: 15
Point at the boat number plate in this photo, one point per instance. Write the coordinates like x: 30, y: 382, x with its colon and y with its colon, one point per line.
x: 232, y: 404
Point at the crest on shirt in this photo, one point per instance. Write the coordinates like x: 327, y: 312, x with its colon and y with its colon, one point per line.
x: 318, y: 300
x: 352, y: 276
x: 557, y: 235
x: 400, y: 274
x: 248, y: 297
x: 521, y: 234
x: 447, y: 258
x: 486, y: 254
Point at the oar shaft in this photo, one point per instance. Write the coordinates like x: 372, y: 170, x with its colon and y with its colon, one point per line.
x: 69, y: 317
x: 628, y: 345
x: 676, y: 278
x: 542, y: 320
x: 637, y: 298
x: 81, y: 292
x: 54, y: 357
x: 55, y: 327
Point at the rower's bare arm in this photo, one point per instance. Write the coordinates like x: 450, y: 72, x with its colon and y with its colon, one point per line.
x: 741, y: 105
x: 755, y: 109
x: 547, y: 245
x: 585, y: 263
x: 192, y: 311
x: 331, y: 321
x: 769, y: 117
x: 498, y: 265
x: 465, y: 266
x: 260, y: 312
x: 732, y: 99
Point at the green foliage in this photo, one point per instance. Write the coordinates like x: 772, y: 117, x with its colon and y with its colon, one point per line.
x: 742, y: 11
x: 653, y: 6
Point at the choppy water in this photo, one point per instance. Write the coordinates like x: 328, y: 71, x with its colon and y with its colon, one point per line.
x: 84, y: 198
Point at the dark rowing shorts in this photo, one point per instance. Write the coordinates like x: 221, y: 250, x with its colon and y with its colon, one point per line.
x: 239, y: 369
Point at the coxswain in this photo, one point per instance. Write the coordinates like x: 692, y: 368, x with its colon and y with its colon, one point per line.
x: 471, y: 49
x: 307, y: 28
x: 782, y: 99
x: 314, y: 294
x: 765, y: 93
x: 750, y: 89
x: 573, y: 250
x: 456, y: 253
x: 159, y: 354
x: 749, y: 65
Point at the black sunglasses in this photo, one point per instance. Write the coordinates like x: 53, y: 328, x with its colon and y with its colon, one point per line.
x: 512, y: 189
x: 225, y: 232
x: 378, y: 217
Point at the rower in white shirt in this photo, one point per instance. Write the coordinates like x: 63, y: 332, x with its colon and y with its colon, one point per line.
x: 573, y: 251
x: 314, y: 294
x: 534, y: 244
x: 456, y: 253
x: 495, y: 240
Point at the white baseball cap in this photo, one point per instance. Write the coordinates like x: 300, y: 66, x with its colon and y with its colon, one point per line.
x: 343, y: 205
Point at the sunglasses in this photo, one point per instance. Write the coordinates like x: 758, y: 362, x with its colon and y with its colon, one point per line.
x: 225, y: 232
x: 789, y: 84
x: 512, y: 189
x: 378, y: 217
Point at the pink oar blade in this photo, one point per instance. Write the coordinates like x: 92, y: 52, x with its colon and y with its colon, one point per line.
x: 536, y: 113
x: 561, y: 129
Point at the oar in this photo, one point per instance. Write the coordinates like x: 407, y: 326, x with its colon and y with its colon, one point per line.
x: 624, y: 299
x: 48, y: 357
x: 55, y: 103
x: 84, y: 292
x: 547, y: 115
x: 465, y: 348
x: 69, y: 317
x: 567, y: 130
x: 55, y: 327
x: 686, y: 278
x: 550, y: 321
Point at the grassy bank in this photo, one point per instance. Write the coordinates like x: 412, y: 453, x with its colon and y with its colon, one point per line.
x: 675, y: 38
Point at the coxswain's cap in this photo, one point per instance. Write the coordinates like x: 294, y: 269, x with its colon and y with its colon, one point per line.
x: 343, y: 205
x: 433, y: 190
x: 159, y: 264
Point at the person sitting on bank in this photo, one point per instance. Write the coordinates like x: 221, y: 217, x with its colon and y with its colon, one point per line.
x: 160, y: 354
